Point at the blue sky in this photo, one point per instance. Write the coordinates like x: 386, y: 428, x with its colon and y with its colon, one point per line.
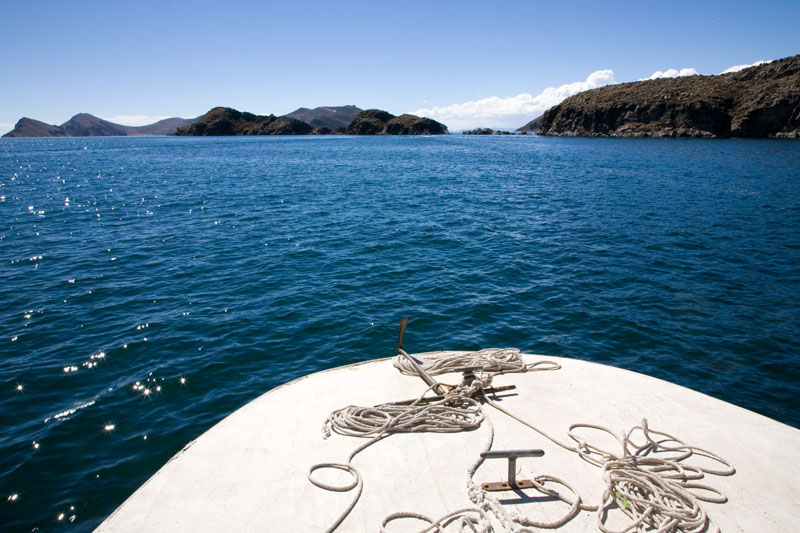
x: 466, y: 61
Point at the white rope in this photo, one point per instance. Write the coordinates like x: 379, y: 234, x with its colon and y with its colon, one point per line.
x: 655, y: 493
x: 494, y: 360
x: 454, y: 413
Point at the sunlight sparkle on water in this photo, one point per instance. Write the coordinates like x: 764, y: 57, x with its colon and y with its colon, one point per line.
x: 109, y: 427
x: 69, y: 412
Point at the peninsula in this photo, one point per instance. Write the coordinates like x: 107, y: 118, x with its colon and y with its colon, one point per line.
x: 762, y: 101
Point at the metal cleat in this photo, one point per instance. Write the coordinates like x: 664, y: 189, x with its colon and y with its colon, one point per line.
x: 512, y: 456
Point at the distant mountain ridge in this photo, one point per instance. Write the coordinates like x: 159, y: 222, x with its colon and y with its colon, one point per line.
x: 221, y: 121
x: 333, y: 117
x: 228, y: 121
x: 86, y: 125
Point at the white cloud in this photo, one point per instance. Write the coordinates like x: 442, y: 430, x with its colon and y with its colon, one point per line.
x: 514, y: 111
x: 5, y: 127
x: 134, y: 120
x: 671, y: 73
x: 737, y: 68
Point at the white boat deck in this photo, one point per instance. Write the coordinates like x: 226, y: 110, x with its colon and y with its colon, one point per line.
x: 249, y: 472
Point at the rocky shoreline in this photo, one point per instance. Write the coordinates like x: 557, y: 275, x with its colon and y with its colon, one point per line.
x: 757, y: 102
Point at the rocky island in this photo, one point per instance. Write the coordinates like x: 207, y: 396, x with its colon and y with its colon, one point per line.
x: 229, y: 121
x: 486, y: 131
x: 378, y: 122
x: 762, y: 101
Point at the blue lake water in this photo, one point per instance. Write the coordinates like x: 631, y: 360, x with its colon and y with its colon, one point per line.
x: 151, y: 286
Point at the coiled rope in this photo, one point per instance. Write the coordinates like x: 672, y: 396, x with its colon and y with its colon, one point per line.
x: 494, y: 360
x: 453, y: 414
x: 456, y: 412
x: 654, y: 493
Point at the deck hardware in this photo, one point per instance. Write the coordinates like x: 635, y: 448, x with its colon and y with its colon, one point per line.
x: 428, y: 399
x: 468, y: 369
x: 436, y: 386
x: 513, y: 482
x: 493, y: 390
x: 403, y: 324
x: 469, y: 373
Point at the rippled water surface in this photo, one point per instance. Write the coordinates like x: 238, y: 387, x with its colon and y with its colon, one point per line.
x: 151, y: 286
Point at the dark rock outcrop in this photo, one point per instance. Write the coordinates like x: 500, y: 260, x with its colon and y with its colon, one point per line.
x: 378, y: 122
x: 228, y: 121
x: 86, y: 125
x: 321, y: 130
x: 332, y: 117
x: 762, y: 101
x: 486, y: 131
